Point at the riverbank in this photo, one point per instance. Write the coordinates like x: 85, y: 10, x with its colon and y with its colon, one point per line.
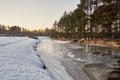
x: 97, y: 42
x: 19, y: 60
x: 103, y: 42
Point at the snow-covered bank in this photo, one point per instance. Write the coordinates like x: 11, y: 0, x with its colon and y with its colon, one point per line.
x: 9, y: 40
x: 52, y: 57
x: 19, y: 61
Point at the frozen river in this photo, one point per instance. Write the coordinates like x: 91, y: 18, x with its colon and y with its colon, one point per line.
x: 60, y: 61
x: 77, y: 62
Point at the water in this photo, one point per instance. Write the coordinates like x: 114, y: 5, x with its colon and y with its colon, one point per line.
x: 102, y: 62
x: 86, y: 62
x: 108, y: 56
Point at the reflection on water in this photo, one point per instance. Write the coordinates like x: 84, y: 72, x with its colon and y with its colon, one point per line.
x: 115, y: 75
x: 103, y: 62
x: 110, y: 57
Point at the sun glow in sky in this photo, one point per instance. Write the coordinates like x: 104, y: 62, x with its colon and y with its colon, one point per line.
x: 34, y: 14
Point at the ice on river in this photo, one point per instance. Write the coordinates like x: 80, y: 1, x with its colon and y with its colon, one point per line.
x: 52, y: 55
x: 19, y: 61
x: 70, y: 55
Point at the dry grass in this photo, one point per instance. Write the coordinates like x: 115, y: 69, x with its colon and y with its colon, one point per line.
x: 110, y: 43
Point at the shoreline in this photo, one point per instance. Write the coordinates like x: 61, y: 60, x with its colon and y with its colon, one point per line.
x: 102, y: 43
x: 96, y: 42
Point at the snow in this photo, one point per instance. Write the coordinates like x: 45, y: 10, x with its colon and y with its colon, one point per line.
x: 19, y: 61
x: 99, y: 45
x: 79, y: 59
x: 62, y: 42
x: 70, y: 55
x: 9, y: 40
x: 52, y: 55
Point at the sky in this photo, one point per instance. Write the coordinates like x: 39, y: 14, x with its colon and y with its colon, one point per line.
x: 34, y: 14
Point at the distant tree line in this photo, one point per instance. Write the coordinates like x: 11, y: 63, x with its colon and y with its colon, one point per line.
x: 91, y: 19
x: 19, y: 31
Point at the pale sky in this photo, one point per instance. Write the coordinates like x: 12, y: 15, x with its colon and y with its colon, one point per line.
x: 34, y: 14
